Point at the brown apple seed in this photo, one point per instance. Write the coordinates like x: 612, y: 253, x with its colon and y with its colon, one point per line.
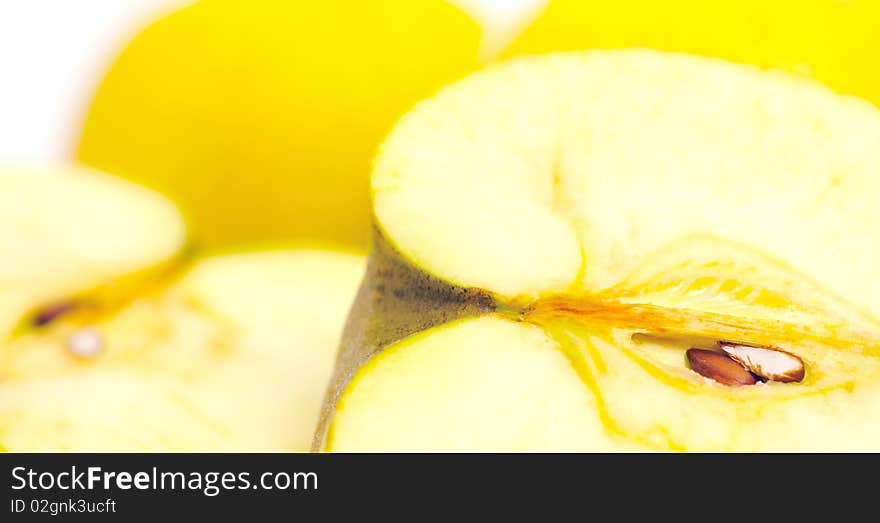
x: 719, y: 367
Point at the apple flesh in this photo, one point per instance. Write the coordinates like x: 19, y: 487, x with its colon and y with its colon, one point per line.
x: 235, y: 356
x: 123, y: 344
x: 64, y: 232
x: 613, y: 209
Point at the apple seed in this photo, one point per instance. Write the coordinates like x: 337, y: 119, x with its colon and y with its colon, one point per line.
x: 719, y: 367
x: 769, y: 363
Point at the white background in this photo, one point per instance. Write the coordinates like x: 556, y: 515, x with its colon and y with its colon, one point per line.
x: 53, y: 53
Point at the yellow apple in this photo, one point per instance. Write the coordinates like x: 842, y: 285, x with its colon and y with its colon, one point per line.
x: 260, y: 118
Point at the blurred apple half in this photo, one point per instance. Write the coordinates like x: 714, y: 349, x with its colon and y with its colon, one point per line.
x: 115, y: 339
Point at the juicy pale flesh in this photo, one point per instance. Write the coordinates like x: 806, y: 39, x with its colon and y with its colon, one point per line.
x: 68, y: 231
x: 622, y: 207
x: 235, y: 356
x: 229, y: 352
x: 263, y: 128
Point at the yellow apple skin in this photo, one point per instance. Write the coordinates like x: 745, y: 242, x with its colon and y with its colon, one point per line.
x: 260, y: 118
x: 832, y: 41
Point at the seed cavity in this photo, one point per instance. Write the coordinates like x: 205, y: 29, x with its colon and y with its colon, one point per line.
x: 52, y: 312
x: 740, y: 364
x: 769, y: 363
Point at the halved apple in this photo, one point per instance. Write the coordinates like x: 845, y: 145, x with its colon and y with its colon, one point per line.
x: 65, y: 232
x: 553, y: 235
x: 228, y: 352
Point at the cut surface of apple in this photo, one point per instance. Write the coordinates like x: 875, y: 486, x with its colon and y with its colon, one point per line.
x: 113, y: 340
x: 234, y: 356
x: 562, y: 229
x: 68, y: 231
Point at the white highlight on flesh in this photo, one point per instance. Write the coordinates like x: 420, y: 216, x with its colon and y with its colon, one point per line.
x: 87, y: 342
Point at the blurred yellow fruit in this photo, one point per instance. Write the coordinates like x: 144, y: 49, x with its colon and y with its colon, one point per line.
x: 235, y: 355
x: 834, y: 41
x: 113, y: 338
x: 66, y: 232
x: 260, y: 118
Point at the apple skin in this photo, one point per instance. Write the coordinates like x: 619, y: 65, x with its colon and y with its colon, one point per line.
x: 260, y: 118
x: 828, y: 40
x: 396, y: 299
